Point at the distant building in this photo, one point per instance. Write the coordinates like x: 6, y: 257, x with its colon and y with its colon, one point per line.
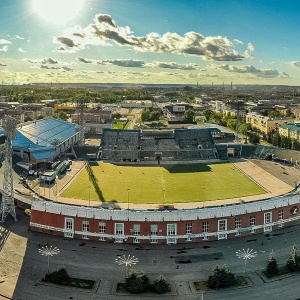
x: 290, y: 130
x: 137, y: 104
x: 95, y: 117
x: 94, y: 122
x: 266, y: 124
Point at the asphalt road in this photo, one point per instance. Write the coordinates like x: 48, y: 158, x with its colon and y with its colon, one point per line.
x: 96, y: 260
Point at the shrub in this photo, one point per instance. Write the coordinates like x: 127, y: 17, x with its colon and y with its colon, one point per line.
x: 220, y: 278
x: 272, y: 266
x: 59, y: 277
x: 293, y: 262
x: 160, y: 285
x: 137, y: 283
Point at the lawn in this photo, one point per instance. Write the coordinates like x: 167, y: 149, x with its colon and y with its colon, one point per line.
x: 162, y: 184
x: 120, y: 125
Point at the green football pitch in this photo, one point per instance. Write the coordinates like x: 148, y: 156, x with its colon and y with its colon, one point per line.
x: 161, y: 184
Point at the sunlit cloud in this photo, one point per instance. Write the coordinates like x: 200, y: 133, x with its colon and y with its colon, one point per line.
x: 294, y: 63
x: 4, y: 49
x: 251, y: 70
x: 51, y: 68
x: 171, y: 65
x: 133, y: 63
x: 105, y: 30
x: 3, y: 41
x: 46, y: 61
x: 238, y: 41
x: 249, y: 51
x: 15, y: 37
x: 21, y: 50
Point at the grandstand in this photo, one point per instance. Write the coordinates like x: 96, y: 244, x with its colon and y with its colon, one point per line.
x: 157, y: 145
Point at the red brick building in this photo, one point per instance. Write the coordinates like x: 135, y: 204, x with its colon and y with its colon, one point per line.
x: 164, y: 227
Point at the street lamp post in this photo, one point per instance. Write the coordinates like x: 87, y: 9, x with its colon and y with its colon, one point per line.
x: 127, y: 261
x: 128, y: 190
x: 164, y: 196
x: 89, y: 195
x: 246, y: 255
x: 48, y: 251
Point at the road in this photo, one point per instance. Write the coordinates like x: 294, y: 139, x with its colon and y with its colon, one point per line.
x: 96, y: 260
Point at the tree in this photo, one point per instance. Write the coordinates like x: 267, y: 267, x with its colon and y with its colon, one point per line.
x: 150, y: 115
x: 274, y: 114
x: 116, y: 115
x: 160, y: 285
x: 293, y: 262
x: 231, y: 123
x: 220, y: 278
x: 59, y: 277
x: 207, y: 114
x: 189, y: 116
x: 61, y: 115
x: 27, y: 119
x: 272, y: 266
x: 137, y: 283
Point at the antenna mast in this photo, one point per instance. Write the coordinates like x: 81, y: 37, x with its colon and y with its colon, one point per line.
x: 8, y: 204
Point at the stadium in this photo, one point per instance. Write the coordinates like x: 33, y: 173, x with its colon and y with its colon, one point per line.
x: 172, y: 186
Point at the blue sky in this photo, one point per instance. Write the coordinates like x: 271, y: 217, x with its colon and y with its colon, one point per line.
x: 139, y: 41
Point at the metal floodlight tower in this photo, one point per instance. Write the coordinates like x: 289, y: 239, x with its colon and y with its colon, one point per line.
x: 7, y: 204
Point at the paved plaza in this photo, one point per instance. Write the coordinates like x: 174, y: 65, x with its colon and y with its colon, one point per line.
x: 22, y: 267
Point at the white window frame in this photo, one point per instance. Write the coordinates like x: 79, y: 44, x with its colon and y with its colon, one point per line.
x: 237, y: 225
x: 85, y: 228
x: 136, y: 231
x: 102, y: 229
x: 222, y: 228
x: 205, y: 229
x: 267, y: 221
x: 252, y: 223
x: 153, y: 233
x: 171, y: 232
x: 69, y: 227
x: 172, y: 229
x: 119, y: 233
x: 188, y: 231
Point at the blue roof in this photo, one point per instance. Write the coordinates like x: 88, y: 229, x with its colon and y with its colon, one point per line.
x: 44, y: 133
x: 42, y: 155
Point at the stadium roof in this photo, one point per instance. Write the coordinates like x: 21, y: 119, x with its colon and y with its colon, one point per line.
x: 43, y: 133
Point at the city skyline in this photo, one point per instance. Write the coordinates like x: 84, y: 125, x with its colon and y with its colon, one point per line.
x: 149, y: 42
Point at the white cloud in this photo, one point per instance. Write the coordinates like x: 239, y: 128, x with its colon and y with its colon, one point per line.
x: 171, y: 65
x: 51, y: 68
x: 238, y: 41
x: 105, y: 30
x: 133, y: 63
x: 15, y: 37
x: 294, y: 64
x: 46, y: 61
x: 251, y: 70
x: 249, y: 50
x: 4, y: 49
x: 21, y: 50
x: 3, y: 41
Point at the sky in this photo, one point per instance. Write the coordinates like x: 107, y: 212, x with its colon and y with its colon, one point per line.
x: 154, y: 41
